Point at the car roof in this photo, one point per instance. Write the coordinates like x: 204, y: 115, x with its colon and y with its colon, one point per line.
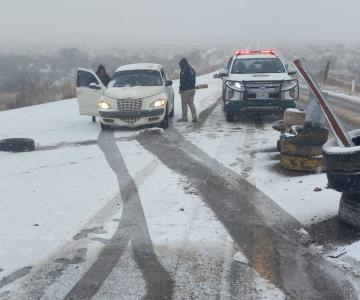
x: 255, y: 56
x: 142, y: 66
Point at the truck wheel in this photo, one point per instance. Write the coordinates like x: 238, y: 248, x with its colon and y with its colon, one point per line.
x: 17, y: 145
x: 105, y: 126
x: 229, y: 116
x: 165, y: 122
x: 349, y: 210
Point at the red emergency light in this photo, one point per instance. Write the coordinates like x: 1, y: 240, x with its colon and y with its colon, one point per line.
x: 251, y: 52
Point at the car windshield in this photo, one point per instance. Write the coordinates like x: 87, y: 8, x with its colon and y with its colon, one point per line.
x: 258, y: 65
x: 136, y: 78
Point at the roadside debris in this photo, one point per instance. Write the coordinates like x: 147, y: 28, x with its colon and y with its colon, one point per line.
x: 239, y: 257
x: 17, y: 145
x: 317, y: 189
x: 337, y: 253
x: 305, y: 237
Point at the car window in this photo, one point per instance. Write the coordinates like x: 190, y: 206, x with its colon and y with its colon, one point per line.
x: 229, y: 64
x: 85, y: 78
x: 136, y: 78
x: 258, y: 65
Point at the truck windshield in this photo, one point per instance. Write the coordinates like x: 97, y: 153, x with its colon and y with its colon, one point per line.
x: 136, y: 78
x: 258, y: 65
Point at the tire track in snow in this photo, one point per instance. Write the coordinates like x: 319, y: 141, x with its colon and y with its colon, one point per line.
x: 265, y: 233
x: 132, y: 229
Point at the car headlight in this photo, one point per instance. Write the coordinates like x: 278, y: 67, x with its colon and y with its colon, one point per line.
x: 289, y: 84
x: 235, y: 85
x: 104, y: 105
x: 158, y: 103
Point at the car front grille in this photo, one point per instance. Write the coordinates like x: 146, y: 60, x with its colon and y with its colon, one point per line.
x: 263, y: 90
x: 129, y: 104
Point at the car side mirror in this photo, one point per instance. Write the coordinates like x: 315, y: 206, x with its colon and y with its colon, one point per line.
x: 222, y: 73
x: 168, y: 83
x: 94, y: 86
x: 292, y: 72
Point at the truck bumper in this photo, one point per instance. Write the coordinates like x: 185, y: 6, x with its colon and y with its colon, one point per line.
x: 258, y: 105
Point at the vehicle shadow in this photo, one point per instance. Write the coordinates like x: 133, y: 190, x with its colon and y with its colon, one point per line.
x: 133, y: 230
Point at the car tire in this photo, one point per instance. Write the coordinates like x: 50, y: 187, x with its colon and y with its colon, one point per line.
x: 339, y: 160
x: 105, y: 126
x: 165, y: 122
x: 314, y: 136
x: 172, y: 113
x: 344, y: 182
x: 349, y: 210
x: 17, y: 145
x: 229, y: 116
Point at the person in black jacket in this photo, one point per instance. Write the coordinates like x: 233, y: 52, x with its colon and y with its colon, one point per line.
x: 187, y: 90
x: 103, y: 76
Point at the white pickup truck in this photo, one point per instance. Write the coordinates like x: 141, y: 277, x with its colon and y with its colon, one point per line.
x: 137, y: 95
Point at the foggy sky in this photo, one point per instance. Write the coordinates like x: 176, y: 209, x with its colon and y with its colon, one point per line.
x: 111, y: 21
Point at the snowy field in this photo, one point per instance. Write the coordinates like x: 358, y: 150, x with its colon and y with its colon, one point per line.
x: 61, y: 204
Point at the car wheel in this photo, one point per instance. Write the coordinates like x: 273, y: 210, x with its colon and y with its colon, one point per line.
x: 17, y: 145
x: 172, y: 113
x: 229, y: 116
x: 105, y: 126
x: 165, y: 122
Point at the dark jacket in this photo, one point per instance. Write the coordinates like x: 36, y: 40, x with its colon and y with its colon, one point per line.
x: 187, y: 76
x: 103, y: 76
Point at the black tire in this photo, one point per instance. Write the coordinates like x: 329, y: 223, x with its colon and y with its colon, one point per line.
x: 172, y: 113
x: 313, y: 136
x: 342, y: 161
x: 105, y: 126
x: 165, y: 122
x: 93, y: 118
x: 230, y: 116
x: 17, y: 145
x: 344, y: 182
x: 349, y: 210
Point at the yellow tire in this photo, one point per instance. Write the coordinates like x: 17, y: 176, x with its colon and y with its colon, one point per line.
x: 303, y: 164
x: 292, y: 149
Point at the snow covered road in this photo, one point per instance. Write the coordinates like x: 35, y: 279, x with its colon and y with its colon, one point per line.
x: 197, y: 212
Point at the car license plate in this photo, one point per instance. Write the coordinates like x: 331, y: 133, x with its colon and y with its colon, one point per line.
x: 262, y: 95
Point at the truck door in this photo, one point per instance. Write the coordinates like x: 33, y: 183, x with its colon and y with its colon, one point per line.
x: 89, y: 90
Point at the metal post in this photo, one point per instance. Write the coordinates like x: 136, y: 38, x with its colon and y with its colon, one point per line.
x: 353, y: 87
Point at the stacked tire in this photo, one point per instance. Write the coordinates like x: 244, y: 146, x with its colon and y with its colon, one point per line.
x: 292, y: 116
x: 301, y: 148
x: 343, y: 173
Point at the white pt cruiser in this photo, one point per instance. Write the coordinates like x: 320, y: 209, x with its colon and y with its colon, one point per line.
x: 137, y: 95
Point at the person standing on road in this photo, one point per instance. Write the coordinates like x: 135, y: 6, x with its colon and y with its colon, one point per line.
x: 103, y: 75
x: 187, y: 90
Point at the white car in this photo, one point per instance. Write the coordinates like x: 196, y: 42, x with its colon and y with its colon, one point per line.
x: 137, y: 95
x: 257, y: 81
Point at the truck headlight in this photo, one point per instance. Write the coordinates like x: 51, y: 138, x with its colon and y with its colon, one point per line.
x: 104, y: 105
x: 235, y: 85
x: 158, y: 103
x: 289, y: 85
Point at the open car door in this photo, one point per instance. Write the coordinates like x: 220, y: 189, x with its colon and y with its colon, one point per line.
x: 89, y: 90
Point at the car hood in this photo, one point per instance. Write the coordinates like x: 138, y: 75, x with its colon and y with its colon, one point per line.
x: 135, y: 92
x: 260, y: 77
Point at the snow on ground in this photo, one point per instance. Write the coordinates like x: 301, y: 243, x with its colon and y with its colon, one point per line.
x: 54, y: 195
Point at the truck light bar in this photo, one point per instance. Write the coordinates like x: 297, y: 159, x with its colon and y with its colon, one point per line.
x: 250, y: 52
